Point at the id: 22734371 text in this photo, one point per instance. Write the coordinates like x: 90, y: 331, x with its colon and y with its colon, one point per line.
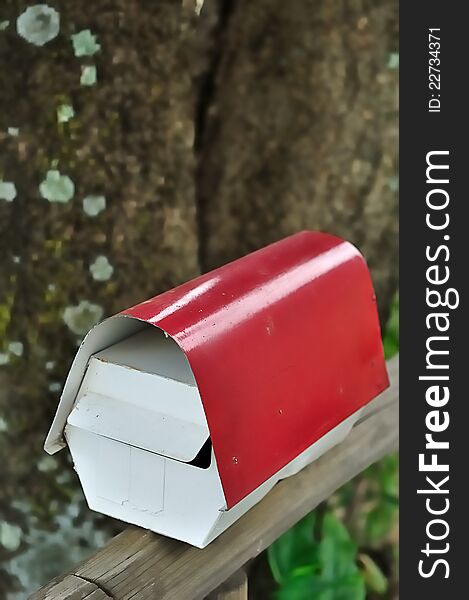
x: 434, y: 81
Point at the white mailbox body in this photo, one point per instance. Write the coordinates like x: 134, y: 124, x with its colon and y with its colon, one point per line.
x: 135, y: 419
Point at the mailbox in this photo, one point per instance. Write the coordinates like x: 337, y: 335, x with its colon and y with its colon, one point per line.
x: 183, y: 411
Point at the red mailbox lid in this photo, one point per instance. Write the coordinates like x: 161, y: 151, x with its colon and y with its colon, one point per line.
x: 284, y: 344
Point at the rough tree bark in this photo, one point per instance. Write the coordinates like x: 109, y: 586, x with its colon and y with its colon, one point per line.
x: 209, y: 136
x: 301, y: 130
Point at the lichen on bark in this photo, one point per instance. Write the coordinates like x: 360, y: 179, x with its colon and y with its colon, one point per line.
x: 130, y: 141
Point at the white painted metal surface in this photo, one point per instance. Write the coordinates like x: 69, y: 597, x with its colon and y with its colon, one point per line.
x: 127, y: 401
x: 133, y: 419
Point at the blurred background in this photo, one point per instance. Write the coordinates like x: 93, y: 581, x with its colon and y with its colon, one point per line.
x: 141, y: 143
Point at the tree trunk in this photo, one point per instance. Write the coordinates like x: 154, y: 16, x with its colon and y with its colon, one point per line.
x: 208, y: 136
x: 131, y: 141
x: 300, y: 131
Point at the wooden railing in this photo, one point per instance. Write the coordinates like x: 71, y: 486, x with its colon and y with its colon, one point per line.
x: 140, y: 565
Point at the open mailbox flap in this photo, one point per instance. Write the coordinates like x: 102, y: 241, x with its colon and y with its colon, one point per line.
x: 141, y: 392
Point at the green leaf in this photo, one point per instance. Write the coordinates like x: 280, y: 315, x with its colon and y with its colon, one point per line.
x: 373, y: 576
x: 294, y: 549
x: 337, y: 552
x: 299, y: 588
x: 385, y: 475
x: 324, y: 569
x: 380, y: 521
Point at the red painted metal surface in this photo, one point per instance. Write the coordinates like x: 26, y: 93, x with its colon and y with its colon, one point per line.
x: 284, y: 344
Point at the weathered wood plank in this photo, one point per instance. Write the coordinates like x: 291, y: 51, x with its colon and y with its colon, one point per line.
x: 235, y: 588
x: 140, y: 565
x: 70, y: 587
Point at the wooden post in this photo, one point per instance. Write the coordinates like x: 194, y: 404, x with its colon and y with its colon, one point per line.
x: 234, y: 588
x: 73, y: 587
